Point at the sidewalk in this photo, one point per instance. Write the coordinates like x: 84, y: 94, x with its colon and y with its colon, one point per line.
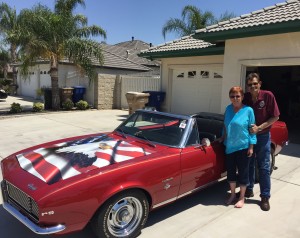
x: 25, y: 102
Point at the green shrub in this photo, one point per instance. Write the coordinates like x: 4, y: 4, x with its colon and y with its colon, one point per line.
x: 39, y: 92
x: 15, y: 108
x: 82, y: 105
x: 68, y: 104
x: 38, y: 107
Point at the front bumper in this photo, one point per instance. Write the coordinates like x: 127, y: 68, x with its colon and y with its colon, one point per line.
x: 27, y: 222
x: 32, y: 226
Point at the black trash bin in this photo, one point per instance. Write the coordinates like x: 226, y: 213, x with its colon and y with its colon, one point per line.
x: 48, y: 98
x: 78, y: 92
x: 155, y: 99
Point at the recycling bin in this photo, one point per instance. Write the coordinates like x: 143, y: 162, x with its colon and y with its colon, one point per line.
x: 78, y: 92
x: 155, y: 99
x: 136, y: 100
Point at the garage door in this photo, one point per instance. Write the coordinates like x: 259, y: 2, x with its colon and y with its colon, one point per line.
x: 29, y: 85
x: 197, y: 89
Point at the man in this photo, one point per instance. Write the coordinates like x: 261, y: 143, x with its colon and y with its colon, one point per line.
x: 266, y: 113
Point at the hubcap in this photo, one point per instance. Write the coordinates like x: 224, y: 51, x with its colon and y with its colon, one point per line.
x: 125, y: 216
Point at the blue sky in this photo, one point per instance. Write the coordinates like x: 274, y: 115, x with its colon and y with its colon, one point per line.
x: 143, y: 20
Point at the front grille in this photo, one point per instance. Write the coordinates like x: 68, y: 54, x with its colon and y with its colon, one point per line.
x: 20, y: 199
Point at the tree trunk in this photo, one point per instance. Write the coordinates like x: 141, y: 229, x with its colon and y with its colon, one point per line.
x: 13, y: 53
x: 54, y: 84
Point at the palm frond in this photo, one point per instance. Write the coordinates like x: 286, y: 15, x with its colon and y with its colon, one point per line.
x: 91, y: 31
x: 175, y: 25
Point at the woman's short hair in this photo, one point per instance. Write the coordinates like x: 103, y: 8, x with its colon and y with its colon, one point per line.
x: 236, y: 89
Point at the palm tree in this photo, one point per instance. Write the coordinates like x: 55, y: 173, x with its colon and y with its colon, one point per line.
x: 4, y: 60
x: 11, y: 31
x: 59, y: 34
x: 192, y: 19
x: 225, y: 16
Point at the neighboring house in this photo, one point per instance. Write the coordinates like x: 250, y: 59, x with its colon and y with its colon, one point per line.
x: 197, y: 71
x: 118, y: 60
x: 132, y: 48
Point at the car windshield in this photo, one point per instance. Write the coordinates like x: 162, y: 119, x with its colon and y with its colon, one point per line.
x: 154, y: 128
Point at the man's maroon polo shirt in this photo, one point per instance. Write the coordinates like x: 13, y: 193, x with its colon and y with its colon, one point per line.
x: 264, y: 108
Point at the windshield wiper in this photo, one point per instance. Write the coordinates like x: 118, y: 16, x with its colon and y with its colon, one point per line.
x: 122, y: 133
x: 140, y: 135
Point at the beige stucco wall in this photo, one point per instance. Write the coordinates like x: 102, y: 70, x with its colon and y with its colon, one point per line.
x: 168, y: 64
x: 271, y: 50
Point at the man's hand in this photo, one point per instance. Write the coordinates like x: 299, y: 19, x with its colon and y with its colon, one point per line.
x: 254, y: 129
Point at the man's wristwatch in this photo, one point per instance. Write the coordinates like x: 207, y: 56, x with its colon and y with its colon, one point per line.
x: 259, y: 128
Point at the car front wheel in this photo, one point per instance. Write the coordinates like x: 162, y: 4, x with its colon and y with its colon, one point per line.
x: 124, y: 215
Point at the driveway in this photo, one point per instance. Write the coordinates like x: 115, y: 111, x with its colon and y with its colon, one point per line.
x: 25, y: 102
x: 200, y: 215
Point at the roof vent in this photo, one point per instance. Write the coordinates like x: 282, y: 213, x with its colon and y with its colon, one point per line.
x: 132, y: 38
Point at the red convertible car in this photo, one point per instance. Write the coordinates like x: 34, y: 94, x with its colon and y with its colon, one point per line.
x: 112, y: 180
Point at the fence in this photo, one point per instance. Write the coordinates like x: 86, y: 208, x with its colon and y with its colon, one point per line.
x: 110, y: 90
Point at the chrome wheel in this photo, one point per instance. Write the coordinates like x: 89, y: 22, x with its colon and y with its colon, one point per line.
x: 124, y: 216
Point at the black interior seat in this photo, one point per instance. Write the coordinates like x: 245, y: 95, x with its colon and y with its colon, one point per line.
x: 209, y: 128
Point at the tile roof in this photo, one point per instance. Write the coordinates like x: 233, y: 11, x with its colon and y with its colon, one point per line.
x: 130, y: 51
x: 113, y: 59
x: 184, y: 43
x: 280, y: 12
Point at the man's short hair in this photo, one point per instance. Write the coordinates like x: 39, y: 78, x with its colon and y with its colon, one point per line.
x: 253, y: 75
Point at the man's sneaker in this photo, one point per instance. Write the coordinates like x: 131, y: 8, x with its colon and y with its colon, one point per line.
x: 264, y: 204
x: 248, y: 194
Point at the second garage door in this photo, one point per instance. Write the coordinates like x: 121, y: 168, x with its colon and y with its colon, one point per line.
x: 196, y: 89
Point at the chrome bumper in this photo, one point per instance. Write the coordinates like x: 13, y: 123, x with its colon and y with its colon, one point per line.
x: 32, y: 226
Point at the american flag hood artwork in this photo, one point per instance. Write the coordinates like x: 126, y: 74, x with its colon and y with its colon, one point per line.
x: 64, y: 160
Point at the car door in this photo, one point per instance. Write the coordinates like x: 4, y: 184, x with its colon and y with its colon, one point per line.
x: 200, y: 165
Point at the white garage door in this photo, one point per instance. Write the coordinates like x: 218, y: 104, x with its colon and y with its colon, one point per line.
x: 197, y: 89
x: 29, y: 85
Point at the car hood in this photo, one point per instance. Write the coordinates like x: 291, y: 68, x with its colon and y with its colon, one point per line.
x: 57, y: 161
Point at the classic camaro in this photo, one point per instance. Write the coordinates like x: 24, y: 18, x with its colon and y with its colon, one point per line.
x: 114, y: 179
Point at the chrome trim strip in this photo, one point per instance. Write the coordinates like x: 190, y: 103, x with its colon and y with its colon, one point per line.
x: 187, y: 193
x: 33, y: 227
x: 165, y: 202
x: 200, y: 188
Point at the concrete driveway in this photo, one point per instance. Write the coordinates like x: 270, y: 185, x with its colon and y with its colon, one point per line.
x: 200, y: 215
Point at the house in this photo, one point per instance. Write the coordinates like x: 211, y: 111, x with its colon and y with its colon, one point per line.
x: 119, y: 59
x: 198, y: 70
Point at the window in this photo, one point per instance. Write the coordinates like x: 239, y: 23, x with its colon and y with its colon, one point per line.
x: 217, y: 76
x: 194, y: 137
x: 204, y: 74
x: 191, y: 74
x: 181, y: 75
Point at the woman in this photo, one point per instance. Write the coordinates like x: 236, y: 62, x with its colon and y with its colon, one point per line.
x: 239, y: 143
